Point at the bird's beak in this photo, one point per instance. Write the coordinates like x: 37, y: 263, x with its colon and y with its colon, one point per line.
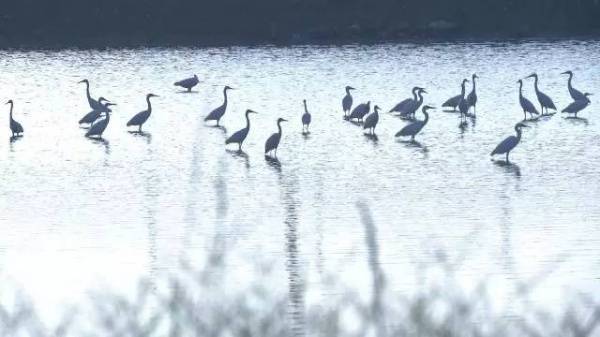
x: 425, y: 92
x: 564, y: 73
x: 284, y: 120
x: 529, y: 76
x: 7, y: 102
x: 525, y: 126
x: 81, y: 81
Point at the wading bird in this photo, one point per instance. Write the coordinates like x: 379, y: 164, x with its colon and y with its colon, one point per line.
x: 411, y: 107
x: 218, y: 113
x: 360, y: 111
x: 273, y: 141
x: 141, y: 117
x: 472, y: 97
x: 347, y: 101
x: 402, y: 105
x: 452, y: 102
x: 98, y: 127
x: 94, y: 104
x: 575, y: 94
x: 463, y: 105
x: 509, y: 143
x: 545, y: 100
x: 239, y: 136
x: 525, y: 103
x: 372, y: 120
x: 578, y: 105
x: 91, y: 116
x: 305, y: 118
x: 188, y: 83
x: 415, y: 127
x: 15, y: 127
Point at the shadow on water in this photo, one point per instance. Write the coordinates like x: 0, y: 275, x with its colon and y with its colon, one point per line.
x: 187, y: 92
x: 577, y: 120
x: 372, y: 137
x: 240, y: 155
x: 14, y: 139
x: 101, y: 142
x: 142, y: 134
x: 508, y: 167
x: 274, y: 163
x: 306, y: 134
x: 218, y: 127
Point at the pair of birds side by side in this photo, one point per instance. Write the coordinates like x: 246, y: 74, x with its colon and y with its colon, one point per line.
x: 580, y: 100
x: 271, y: 144
x: 462, y: 102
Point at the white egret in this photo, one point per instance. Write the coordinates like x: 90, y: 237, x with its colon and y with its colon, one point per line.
x: 141, y: 117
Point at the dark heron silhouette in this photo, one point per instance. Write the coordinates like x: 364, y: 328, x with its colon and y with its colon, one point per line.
x: 402, y: 105
x: 94, y: 104
x: 15, y: 127
x: 141, y: 117
x: 360, y: 111
x: 578, y: 105
x: 545, y: 100
x: 472, y: 97
x: 575, y: 94
x: 415, y: 127
x: 372, y: 120
x: 347, y: 101
x: 463, y: 105
x: 188, y: 83
x: 452, y: 102
x: 273, y: 141
x: 99, y: 126
x: 238, y: 137
x: 93, y: 115
x: 526, y: 104
x: 510, y: 142
x: 218, y: 113
x: 306, y: 118
x: 411, y: 107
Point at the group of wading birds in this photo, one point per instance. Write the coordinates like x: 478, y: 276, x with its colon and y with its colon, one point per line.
x: 99, y: 117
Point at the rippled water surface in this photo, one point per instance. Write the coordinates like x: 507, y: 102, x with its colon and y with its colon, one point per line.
x: 75, y: 213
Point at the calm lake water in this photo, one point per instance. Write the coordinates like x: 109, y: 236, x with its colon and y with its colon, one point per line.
x: 78, y: 214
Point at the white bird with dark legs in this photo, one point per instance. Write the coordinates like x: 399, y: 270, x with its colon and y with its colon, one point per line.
x: 545, y: 100
x: 239, y: 136
x: 509, y: 143
x: 472, y: 97
x: 402, y: 105
x: 360, y: 111
x: 218, y: 113
x: 526, y: 104
x: 306, y: 118
x: 347, y: 101
x: 415, y: 127
x: 273, y: 141
x: 141, y: 117
x: 93, y: 115
x: 372, y: 120
x: 578, y: 105
x: 575, y: 94
x: 15, y: 127
x: 411, y: 107
x: 188, y: 83
x: 463, y: 104
x: 94, y: 104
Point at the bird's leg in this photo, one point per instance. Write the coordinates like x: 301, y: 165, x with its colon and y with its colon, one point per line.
x: 140, y: 128
x: 507, y: 157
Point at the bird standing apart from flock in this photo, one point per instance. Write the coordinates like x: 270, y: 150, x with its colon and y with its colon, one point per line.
x: 545, y: 100
x: 239, y: 136
x: 272, y: 142
x: 305, y: 118
x: 218, y: 113
x: 372, y: 120
x: 15, y: 127
x: 93, y: 115
x: 141, y: 117
x: 360, y: 111
x: 347, y: 101
x: 188, y: 83
x: 472, y: 97
x: 415, y: 127
x: 509, y: 143
x: 526, y: 104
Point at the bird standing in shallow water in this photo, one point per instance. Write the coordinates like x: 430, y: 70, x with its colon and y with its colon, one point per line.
x: 306, y: 118
x: 15, y: 127
x: 575, y: 94
x: 360, y: 111
x: 525, y: 103
x: 97, y: 129
x: 273, y: 141
x: 218, y: 113
x: 94, y: 104
x: 402, y: 105
x: 411, y: 107
x: 347, y: 101
x: 141, y: 117
x: 509, y: 143
x: 91, y: 116
x: 188, y: 83
x: 372, y: 120
x: 472, y: 97
x: 415, y: 127
x: 545, y: 100
x: 239, y: 136
x: 463, y: 105
x: 578, y: 105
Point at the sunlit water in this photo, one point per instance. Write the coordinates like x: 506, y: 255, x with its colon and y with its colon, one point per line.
x: 76, y: 214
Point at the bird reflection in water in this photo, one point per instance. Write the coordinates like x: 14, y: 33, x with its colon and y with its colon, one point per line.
x: 273, y: 163
x: 577, y: 120
x: 102, y: 142
x: 240, y: 154
x: 142, y: 134
x: 372, y: 137
x: 509, y: 167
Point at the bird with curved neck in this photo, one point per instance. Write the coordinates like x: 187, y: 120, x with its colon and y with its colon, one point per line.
x: 372, y: 120
x: 575, y: 94
x: 239, y: 136
x: 93, y: 115
x: 273, y: 141
x: 218, y: 113
x: 411, y: 107
x: 347, y: 101
x: 545, y: 101
x: 415, y: 127
x: 510, y: 142
x: 526, y: 104
x: 94, y: 104
x: 141, y: 117
x: 306, y: 118
x: 578, y: 105
x: 472, y: 97
x: 97, y: 129
x: 402, y: 105
x: 15, y: 127
x: 463, y: 105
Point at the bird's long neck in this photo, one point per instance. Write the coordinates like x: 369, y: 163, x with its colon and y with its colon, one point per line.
x: 87, y: 91
x: 225, y: 97
x: 426, y: 117
x: 569, y: 83
x: 462, y: 90
x: 474, y: 83
x: 521, y: 89
x: 415, y: 94
x: 535, y: 83
x: 279, y: 127
x: 420, y: 97
x: 248, y: 121
x: 348, y: 92
x: 518, y: 133
x: 11, y: 110
x: 305, y: 108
